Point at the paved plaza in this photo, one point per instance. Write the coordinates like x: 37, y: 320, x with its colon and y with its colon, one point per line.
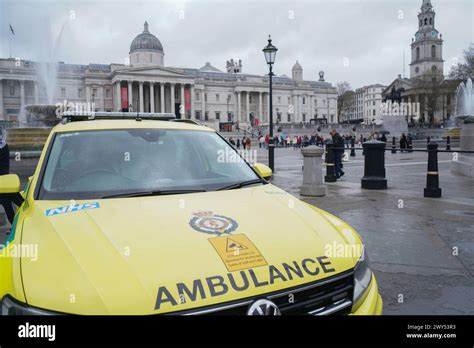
x: 410, y: 239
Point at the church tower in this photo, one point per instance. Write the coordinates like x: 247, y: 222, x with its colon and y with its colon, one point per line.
x: 427, y: 46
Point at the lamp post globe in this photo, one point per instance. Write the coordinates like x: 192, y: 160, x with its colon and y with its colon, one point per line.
x: 270, y: 53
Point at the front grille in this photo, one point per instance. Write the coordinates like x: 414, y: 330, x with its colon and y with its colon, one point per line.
x: 328, y: 296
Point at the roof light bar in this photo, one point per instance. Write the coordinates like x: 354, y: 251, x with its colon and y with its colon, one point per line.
x: 100, y: 115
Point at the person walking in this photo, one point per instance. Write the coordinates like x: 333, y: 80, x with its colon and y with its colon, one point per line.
x: 232, y: 141
x: 248, y: 142
x: 238, y: 144
x: 338, y: 143
x: 262, y: 141
x: 4, y: 170
x: 243, y: 142
x: 403, y: 142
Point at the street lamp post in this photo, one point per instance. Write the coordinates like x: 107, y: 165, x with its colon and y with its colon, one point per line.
x: 270, y: 53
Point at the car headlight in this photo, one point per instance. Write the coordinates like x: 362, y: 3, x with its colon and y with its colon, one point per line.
x: 10, y: 306
x: 362, y: 278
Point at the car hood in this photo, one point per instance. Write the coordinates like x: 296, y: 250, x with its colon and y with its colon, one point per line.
x: 160, y: 254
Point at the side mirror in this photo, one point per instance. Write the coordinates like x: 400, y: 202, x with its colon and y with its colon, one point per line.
x: 264, y: 171
x: 9, y: 183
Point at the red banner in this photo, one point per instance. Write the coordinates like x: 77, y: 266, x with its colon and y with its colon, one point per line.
x: 124, y: 97
x: 187, y: 100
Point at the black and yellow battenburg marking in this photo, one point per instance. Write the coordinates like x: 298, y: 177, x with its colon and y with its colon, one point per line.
x: 214, y: 286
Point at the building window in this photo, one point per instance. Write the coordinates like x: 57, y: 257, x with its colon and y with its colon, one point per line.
x: 206, y: 116
x: 218, y: 115
x: 289, y: 100
x: 94, y: 92
x: 217, y: 98
x: 196, y: 96
x: 12, y: 89
x: 198, y: 115
x: 417, y: 53
x: 431, y: 21
x: 289, y: 117
x: 279, y: 100
x: 304, y: 117
x: 304, y: 100
x: 80, y: 93
x: 373, y: 113
x: 433, y: 51
x: 107, y: 93
x: 205, y: 97
x: 63, y: 92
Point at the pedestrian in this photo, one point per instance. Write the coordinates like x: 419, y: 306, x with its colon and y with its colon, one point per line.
x: 262, y: 141
x: 267, y: 140
x: 383, y: 138
x: 338, y: 144
x: 238, y: 143
x: 4, y: 170
x: 248, y: 142
x: 231, y: 141
x: 244, y: 142
x: 403, y: 142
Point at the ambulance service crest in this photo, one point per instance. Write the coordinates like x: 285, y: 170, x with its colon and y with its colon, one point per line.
x: 210, y: 223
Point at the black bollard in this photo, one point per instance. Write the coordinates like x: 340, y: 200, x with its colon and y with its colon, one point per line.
x: 353, y: 152
x: 374, y: 166
x: 330, y: 166
x: 432, y: 189
x: 448, y: 143
x: 394, y: 145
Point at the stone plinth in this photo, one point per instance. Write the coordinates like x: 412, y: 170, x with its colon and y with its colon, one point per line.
x: 313, y: 172
x: 464, y: 164
x: 396, y: 125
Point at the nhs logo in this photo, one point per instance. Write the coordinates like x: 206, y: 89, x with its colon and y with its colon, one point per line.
x: 72, y: 208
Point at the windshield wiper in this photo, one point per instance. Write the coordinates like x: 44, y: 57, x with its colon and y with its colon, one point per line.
x: 242, y: 184
x: 151, y: 193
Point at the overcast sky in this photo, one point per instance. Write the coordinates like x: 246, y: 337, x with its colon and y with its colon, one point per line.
x: 369, y: 35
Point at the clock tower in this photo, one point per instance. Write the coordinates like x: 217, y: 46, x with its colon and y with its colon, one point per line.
x: 427, y: 46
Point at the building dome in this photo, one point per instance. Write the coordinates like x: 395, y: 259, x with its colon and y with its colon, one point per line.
x: 297, y: 66
x: 146, y: 42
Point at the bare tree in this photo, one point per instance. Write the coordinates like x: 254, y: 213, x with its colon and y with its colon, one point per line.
x: 462, y: 71
x: 430, y: 86
x: 343, y: 100
x: 346, y: 105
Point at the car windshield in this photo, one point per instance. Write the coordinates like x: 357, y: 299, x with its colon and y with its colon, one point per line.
x: 108, y: 163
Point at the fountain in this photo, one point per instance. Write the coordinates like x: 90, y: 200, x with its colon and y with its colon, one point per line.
x: 464, y: 164
x: 35, y: 121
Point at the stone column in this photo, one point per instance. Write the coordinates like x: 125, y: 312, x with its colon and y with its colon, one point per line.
x: 260, y: 106
x: 239, y: 106
x: 88, y: 94
x: 22, y: 93
x: 118, y: 106
x: 247, y: 107
x: 152, y: 97
x: 162, y: 97
x: 2, y: 115
x: 140, y: 95
x: 182, y: 112
x: 172, y: 98
x: 193, y: 116
x: 313, y: 172
x: 311, y: 107
x: 203, y: 104
x: 130, y: 96
x: 36, y: 92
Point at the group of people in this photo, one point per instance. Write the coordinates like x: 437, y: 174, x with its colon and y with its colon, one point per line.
x: 246, y: 142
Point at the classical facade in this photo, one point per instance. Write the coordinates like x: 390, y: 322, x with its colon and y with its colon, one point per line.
x: 146, y: 84
x: 427, y: 86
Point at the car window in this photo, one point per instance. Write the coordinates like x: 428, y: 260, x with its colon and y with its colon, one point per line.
x: 94, y: 164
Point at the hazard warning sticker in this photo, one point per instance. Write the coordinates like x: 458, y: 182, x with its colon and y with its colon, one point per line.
x: 238, y: 252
